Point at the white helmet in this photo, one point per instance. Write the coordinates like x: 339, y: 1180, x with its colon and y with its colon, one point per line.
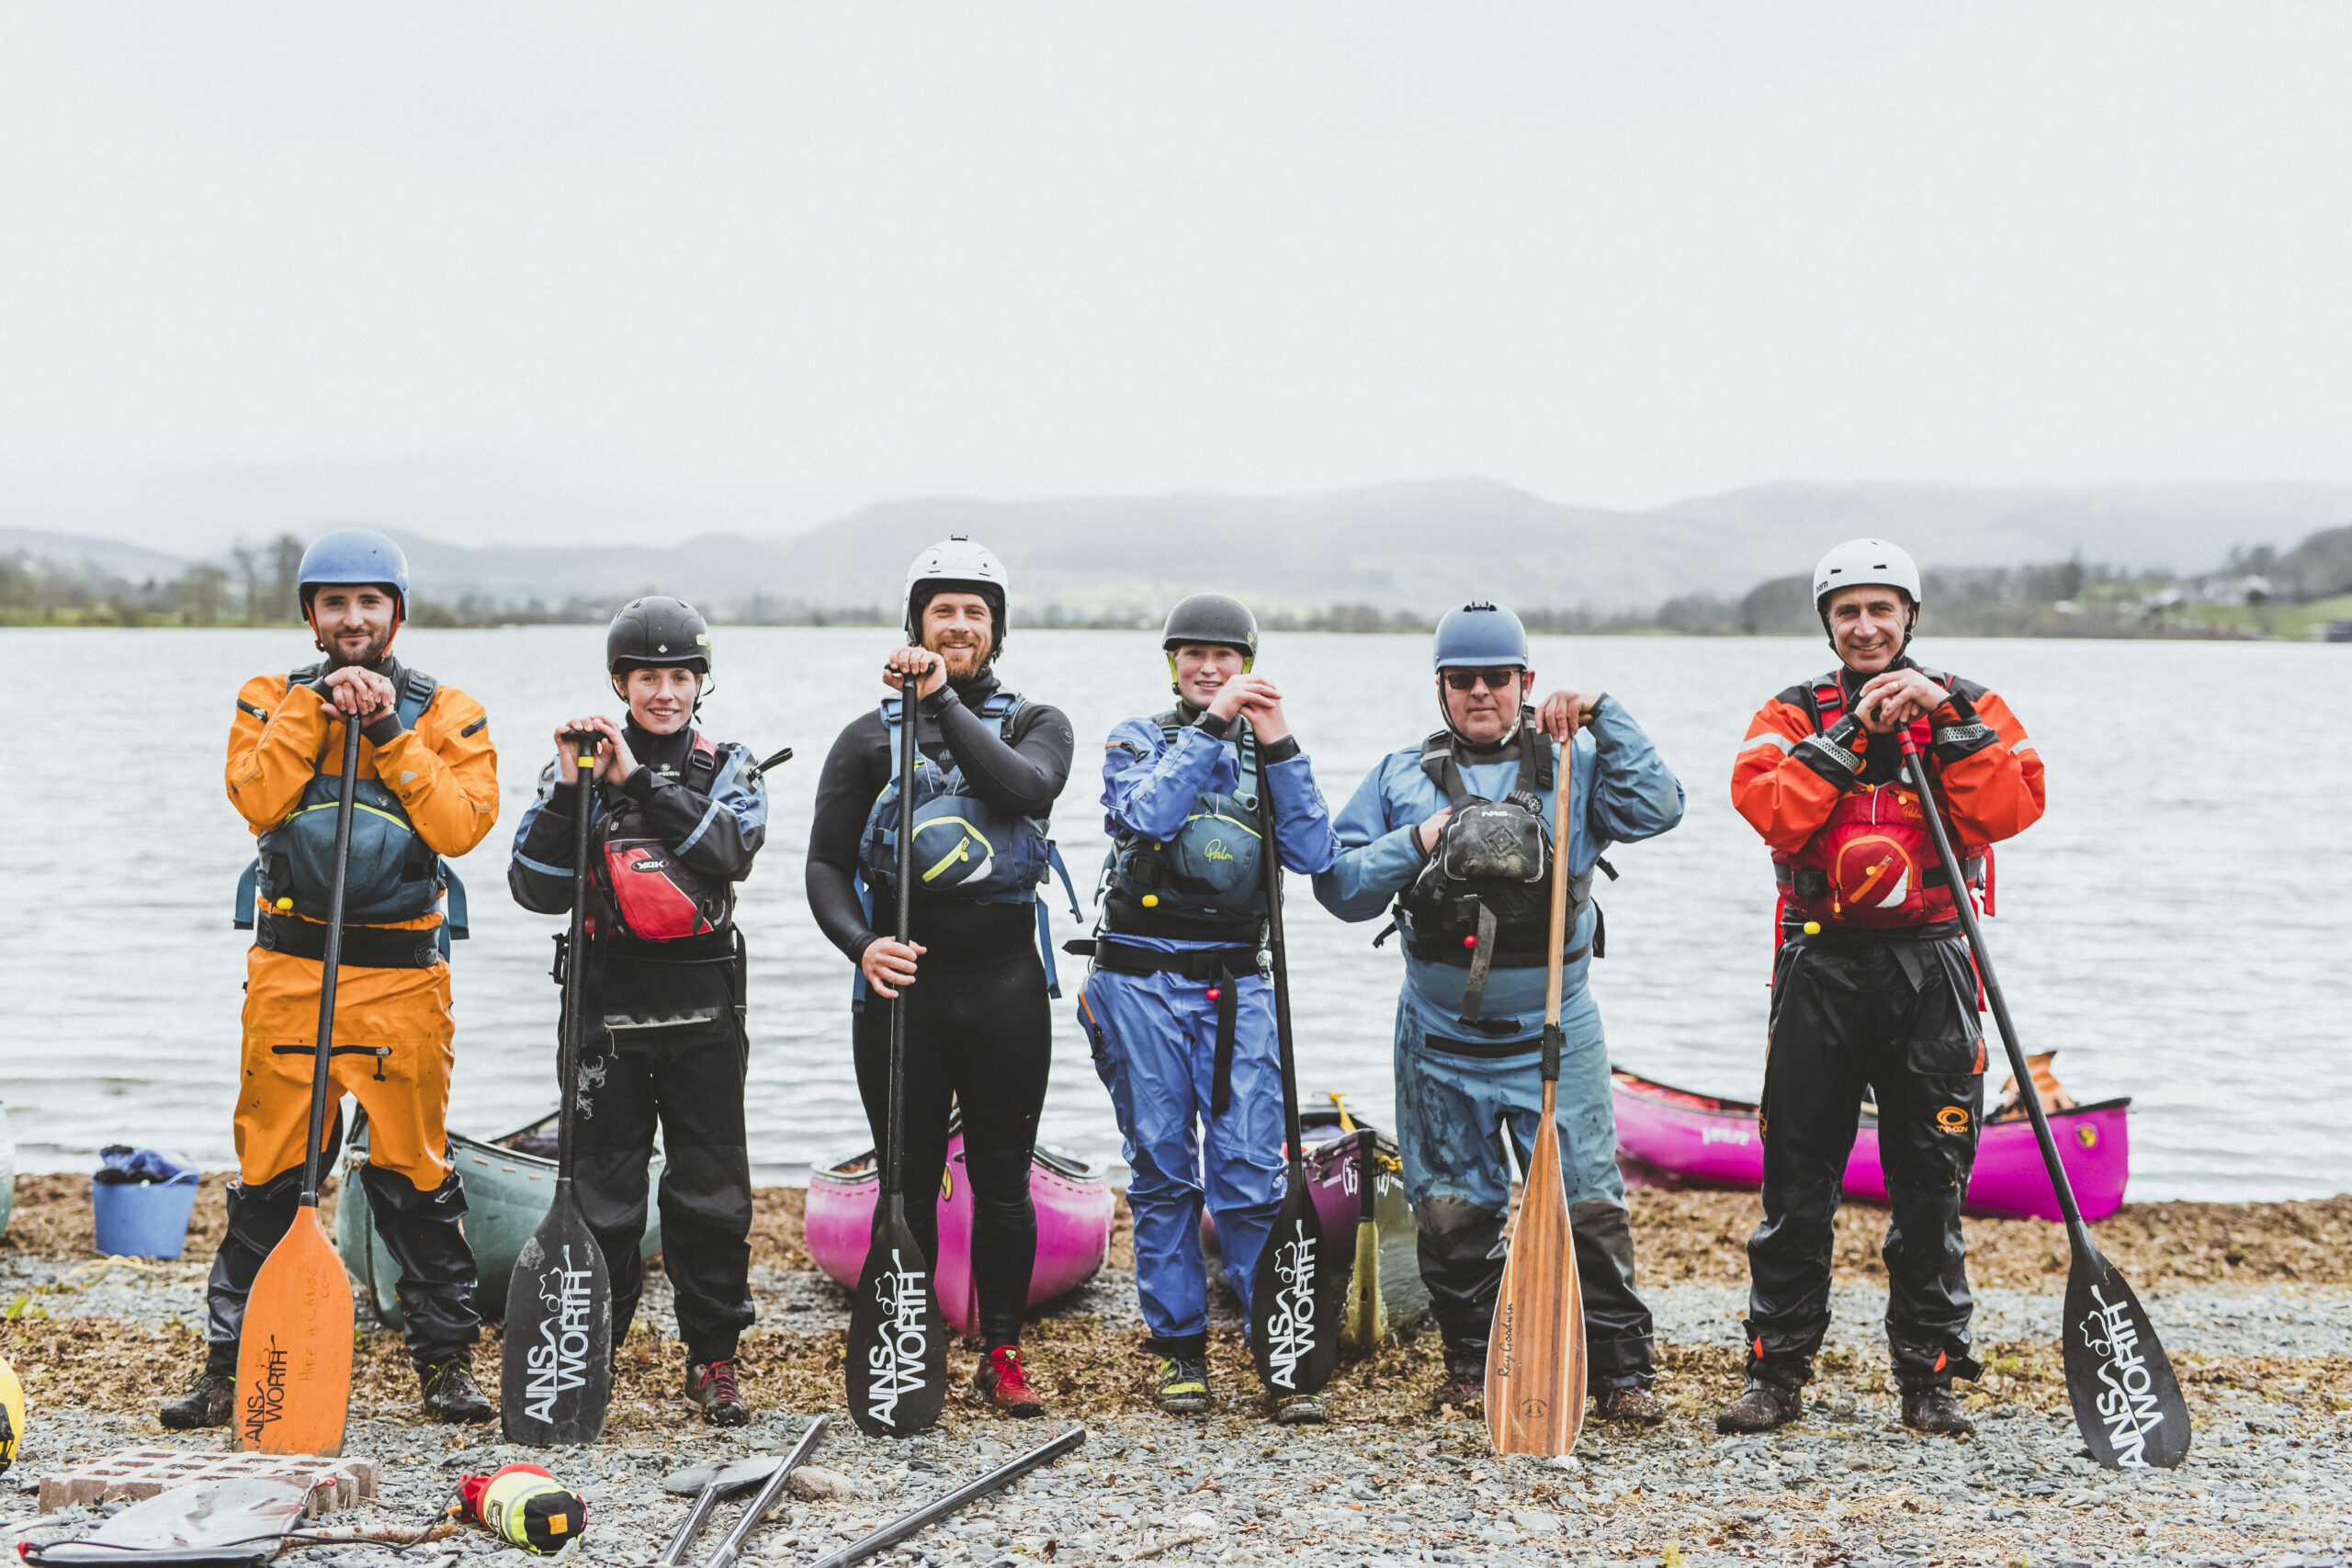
x: 956, y: 564
x: 1866, y: 560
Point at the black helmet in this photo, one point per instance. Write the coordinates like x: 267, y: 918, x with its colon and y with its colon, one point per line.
x: 1216, y: 618
x: 658, y: 632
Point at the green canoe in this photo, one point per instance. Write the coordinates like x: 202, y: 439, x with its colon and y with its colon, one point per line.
x: 508, y: 1191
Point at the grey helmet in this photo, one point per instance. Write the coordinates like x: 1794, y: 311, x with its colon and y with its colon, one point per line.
x: 658, y: 632
x: 1216, y: 618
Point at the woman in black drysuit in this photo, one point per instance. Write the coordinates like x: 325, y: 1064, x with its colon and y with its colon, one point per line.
x: 674, y: 825
x: 978, y: 1027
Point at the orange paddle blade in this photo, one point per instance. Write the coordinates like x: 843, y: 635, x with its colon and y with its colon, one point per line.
x: 294, y: 1360
x: 1535, y: 1354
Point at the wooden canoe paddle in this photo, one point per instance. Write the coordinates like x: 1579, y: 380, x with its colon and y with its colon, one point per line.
x: 2126, y: 1401
x: 1535, y: 1350
x: 1296, y: 1292
x: 556, y: 1372
x: 896, y: 1362
x: 1365, y: 1321
x: 294, y: 1355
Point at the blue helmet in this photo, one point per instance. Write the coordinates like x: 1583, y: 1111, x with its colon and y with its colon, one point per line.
x: 348, y: 557
x: 1479, y: 636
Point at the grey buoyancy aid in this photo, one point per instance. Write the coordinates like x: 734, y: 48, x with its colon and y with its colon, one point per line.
x: 392, y: 876
x: 652, y: 894
x: 1204, y: 883
x: 1485, y: 898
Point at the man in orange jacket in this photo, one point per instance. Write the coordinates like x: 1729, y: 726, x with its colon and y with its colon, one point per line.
x: 1872, y: 990
x: 427, y: 787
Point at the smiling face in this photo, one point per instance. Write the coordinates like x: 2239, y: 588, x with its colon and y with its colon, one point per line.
x: 957, y: 628
x: 354, y: 623
x: 1483, y: 714
x: 1867, y: 624
x: 1203, y: 668
x: 662, y: 701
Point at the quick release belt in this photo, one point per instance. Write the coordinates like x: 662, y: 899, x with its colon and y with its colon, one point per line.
x: 1208, y: 965
x: 364, y: 947
x: 1812, y: 881
x: 1488, y: 1049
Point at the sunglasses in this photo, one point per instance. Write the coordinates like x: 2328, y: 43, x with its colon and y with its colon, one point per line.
x: 1493, y: 679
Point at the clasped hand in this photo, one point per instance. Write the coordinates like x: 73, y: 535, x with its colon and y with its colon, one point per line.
x: 615, y: 761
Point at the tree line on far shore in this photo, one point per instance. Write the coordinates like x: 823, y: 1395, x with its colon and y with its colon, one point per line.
x: 2261, y: 593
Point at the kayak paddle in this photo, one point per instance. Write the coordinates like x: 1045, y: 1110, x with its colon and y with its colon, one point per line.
x: 1362, y: 1323
x: 294, y: 1355
x: 898, y: 1340
x: 1535, y: 1350
x: 931, y: 1513
x: 1293, y: 1308
x: 556, y: 1374
x: 2126, y: 1401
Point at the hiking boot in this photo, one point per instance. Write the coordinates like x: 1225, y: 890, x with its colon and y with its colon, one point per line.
x: 1464, y: 1388
x: 1935, y: 1410
x: 1002, y: 1383
x: 1632, y: 1403
x: 209, y: 1401
x: 1183, y: 1384
x: 1762, y: 1406
x: 450, y: 1392
x: 1299, y: 1410
x: 711, y: 1384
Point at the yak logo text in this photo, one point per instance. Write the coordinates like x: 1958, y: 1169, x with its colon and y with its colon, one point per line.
x: 896, y: 1361
x: 559, y: 1363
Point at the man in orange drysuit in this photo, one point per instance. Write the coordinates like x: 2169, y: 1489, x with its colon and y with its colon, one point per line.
x: 427, y: 787
x: 1872, y: 987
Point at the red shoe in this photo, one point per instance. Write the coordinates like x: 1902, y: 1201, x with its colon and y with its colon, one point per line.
x: 1002, y: 1383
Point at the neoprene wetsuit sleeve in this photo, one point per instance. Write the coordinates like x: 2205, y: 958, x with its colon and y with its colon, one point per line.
x: 1023, y: 779
x: 717, y: 835
x: 855, y: 770
x: 538, y: 869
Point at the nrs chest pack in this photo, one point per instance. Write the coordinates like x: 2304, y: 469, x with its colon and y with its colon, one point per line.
x: 653, y: 895
x: 964, y: 849
x: 1873, y: 864
x: 1206, y: 882
x: 391, y: 875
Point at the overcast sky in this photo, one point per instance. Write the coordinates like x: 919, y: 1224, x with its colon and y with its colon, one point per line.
x: 822, y: 254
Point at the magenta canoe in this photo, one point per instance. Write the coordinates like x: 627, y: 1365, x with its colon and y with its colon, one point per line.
x: 1669, y: 1136
x: 1074, y: 1208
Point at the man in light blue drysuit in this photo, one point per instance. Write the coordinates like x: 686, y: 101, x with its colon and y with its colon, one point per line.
x: 1443, y: 828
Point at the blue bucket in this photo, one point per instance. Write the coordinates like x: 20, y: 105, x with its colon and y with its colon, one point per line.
x: 143, y: 1219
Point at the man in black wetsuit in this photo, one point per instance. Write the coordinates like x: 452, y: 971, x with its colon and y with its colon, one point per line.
x: 977, y: 1027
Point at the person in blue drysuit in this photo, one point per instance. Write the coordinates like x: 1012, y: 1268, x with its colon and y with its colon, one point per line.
x: 1176, y: 1008
x: 1443, y: 828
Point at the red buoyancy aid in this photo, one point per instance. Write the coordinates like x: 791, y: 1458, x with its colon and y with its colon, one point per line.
x: 653, y: 895
x: 1872, y: 865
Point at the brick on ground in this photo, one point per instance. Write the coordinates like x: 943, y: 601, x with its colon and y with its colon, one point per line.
x: 138, y: 1473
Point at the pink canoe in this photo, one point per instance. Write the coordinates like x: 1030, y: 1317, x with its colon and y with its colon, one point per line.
x: 1671, y: 1137
x: 1074, y: 1207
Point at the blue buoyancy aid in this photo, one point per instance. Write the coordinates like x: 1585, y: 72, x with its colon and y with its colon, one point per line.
x: 1210, y: 872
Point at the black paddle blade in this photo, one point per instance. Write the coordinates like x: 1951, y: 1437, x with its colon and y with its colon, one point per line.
x: 2126, y: 1401
x: 1297, y: 1298
x: 556, y: 1378
x: 897, y: 1336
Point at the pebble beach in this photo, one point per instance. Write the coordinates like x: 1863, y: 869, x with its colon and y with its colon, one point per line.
x: 2253, y: 1301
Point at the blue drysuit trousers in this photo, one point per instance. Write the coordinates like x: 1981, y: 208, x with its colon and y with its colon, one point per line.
x: 1451, y: 1103
x: 1154, y: 1038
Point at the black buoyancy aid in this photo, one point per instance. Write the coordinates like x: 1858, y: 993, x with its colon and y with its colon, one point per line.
x: 1206, y: 883
x: 652, y: 894
x: 391, y: 875
x: 1873, y: 864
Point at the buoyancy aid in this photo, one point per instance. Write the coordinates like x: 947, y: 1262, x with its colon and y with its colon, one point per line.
x: 1204, y: 883
x: 1873, y: 864
x: 390, y: 875
x: 653, y: 895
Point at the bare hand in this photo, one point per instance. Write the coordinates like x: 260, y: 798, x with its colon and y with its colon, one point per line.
x: 1262, y: 701
x: 1563, y: 713
x: 615, y: 761
x: 1892, y: 699
x: 918, y: 661
x: 358, y: 694
x: 888, y: 962
x: 1426, y: 835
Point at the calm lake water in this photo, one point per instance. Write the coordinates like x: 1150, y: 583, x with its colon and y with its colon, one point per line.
x: 2179, y: 924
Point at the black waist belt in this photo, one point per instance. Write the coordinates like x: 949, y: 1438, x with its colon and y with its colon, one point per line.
x: 1125, y: 915
x: 1208, y: 965
x: 1488, y: 1049
x: 1792, y: 929
x: 364, y: 947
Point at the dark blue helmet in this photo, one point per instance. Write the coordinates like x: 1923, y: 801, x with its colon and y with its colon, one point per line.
x: 348, y: 556
x: 1479, y: 636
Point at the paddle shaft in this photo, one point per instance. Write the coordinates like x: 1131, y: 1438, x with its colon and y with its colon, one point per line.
x: 323, y: 1063
x: 1555, y: 960
x: 728, y: 1548
x: 1965, y: 908
x: 930, y: 1514
x: 1278, y: 962
x: 894, y: 1157
x: 568, y: 1050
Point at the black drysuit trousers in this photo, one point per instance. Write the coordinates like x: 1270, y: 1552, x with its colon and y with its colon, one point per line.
x: 1896, y: 1014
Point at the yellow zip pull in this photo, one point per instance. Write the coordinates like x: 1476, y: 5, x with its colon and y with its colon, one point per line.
x: 950, y: 858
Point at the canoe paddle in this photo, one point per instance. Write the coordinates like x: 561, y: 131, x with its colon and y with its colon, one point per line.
x: 1365, y: 1320
x: 2126, y: 1401
x: 898, y: 1340
x: 294, y: 1356
x: 556, y: 1374
x: 931, y: 1513
x: 1535, y: 1350
x: 1294, y: 1309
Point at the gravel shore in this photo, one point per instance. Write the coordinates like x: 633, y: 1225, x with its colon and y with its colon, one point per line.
x: 2264, y: 1352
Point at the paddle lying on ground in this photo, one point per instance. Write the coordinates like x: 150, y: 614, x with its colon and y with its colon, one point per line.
x: 1535, y: 1350
x: 1295, y: 1296
x: 294, y: 1360
x: 930, y: 1514
x: 897, y: 1338
x: 732, y: 1546
x: 1361, y: 1324
x: 2126, y: 1401
x: 556, y: 1376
